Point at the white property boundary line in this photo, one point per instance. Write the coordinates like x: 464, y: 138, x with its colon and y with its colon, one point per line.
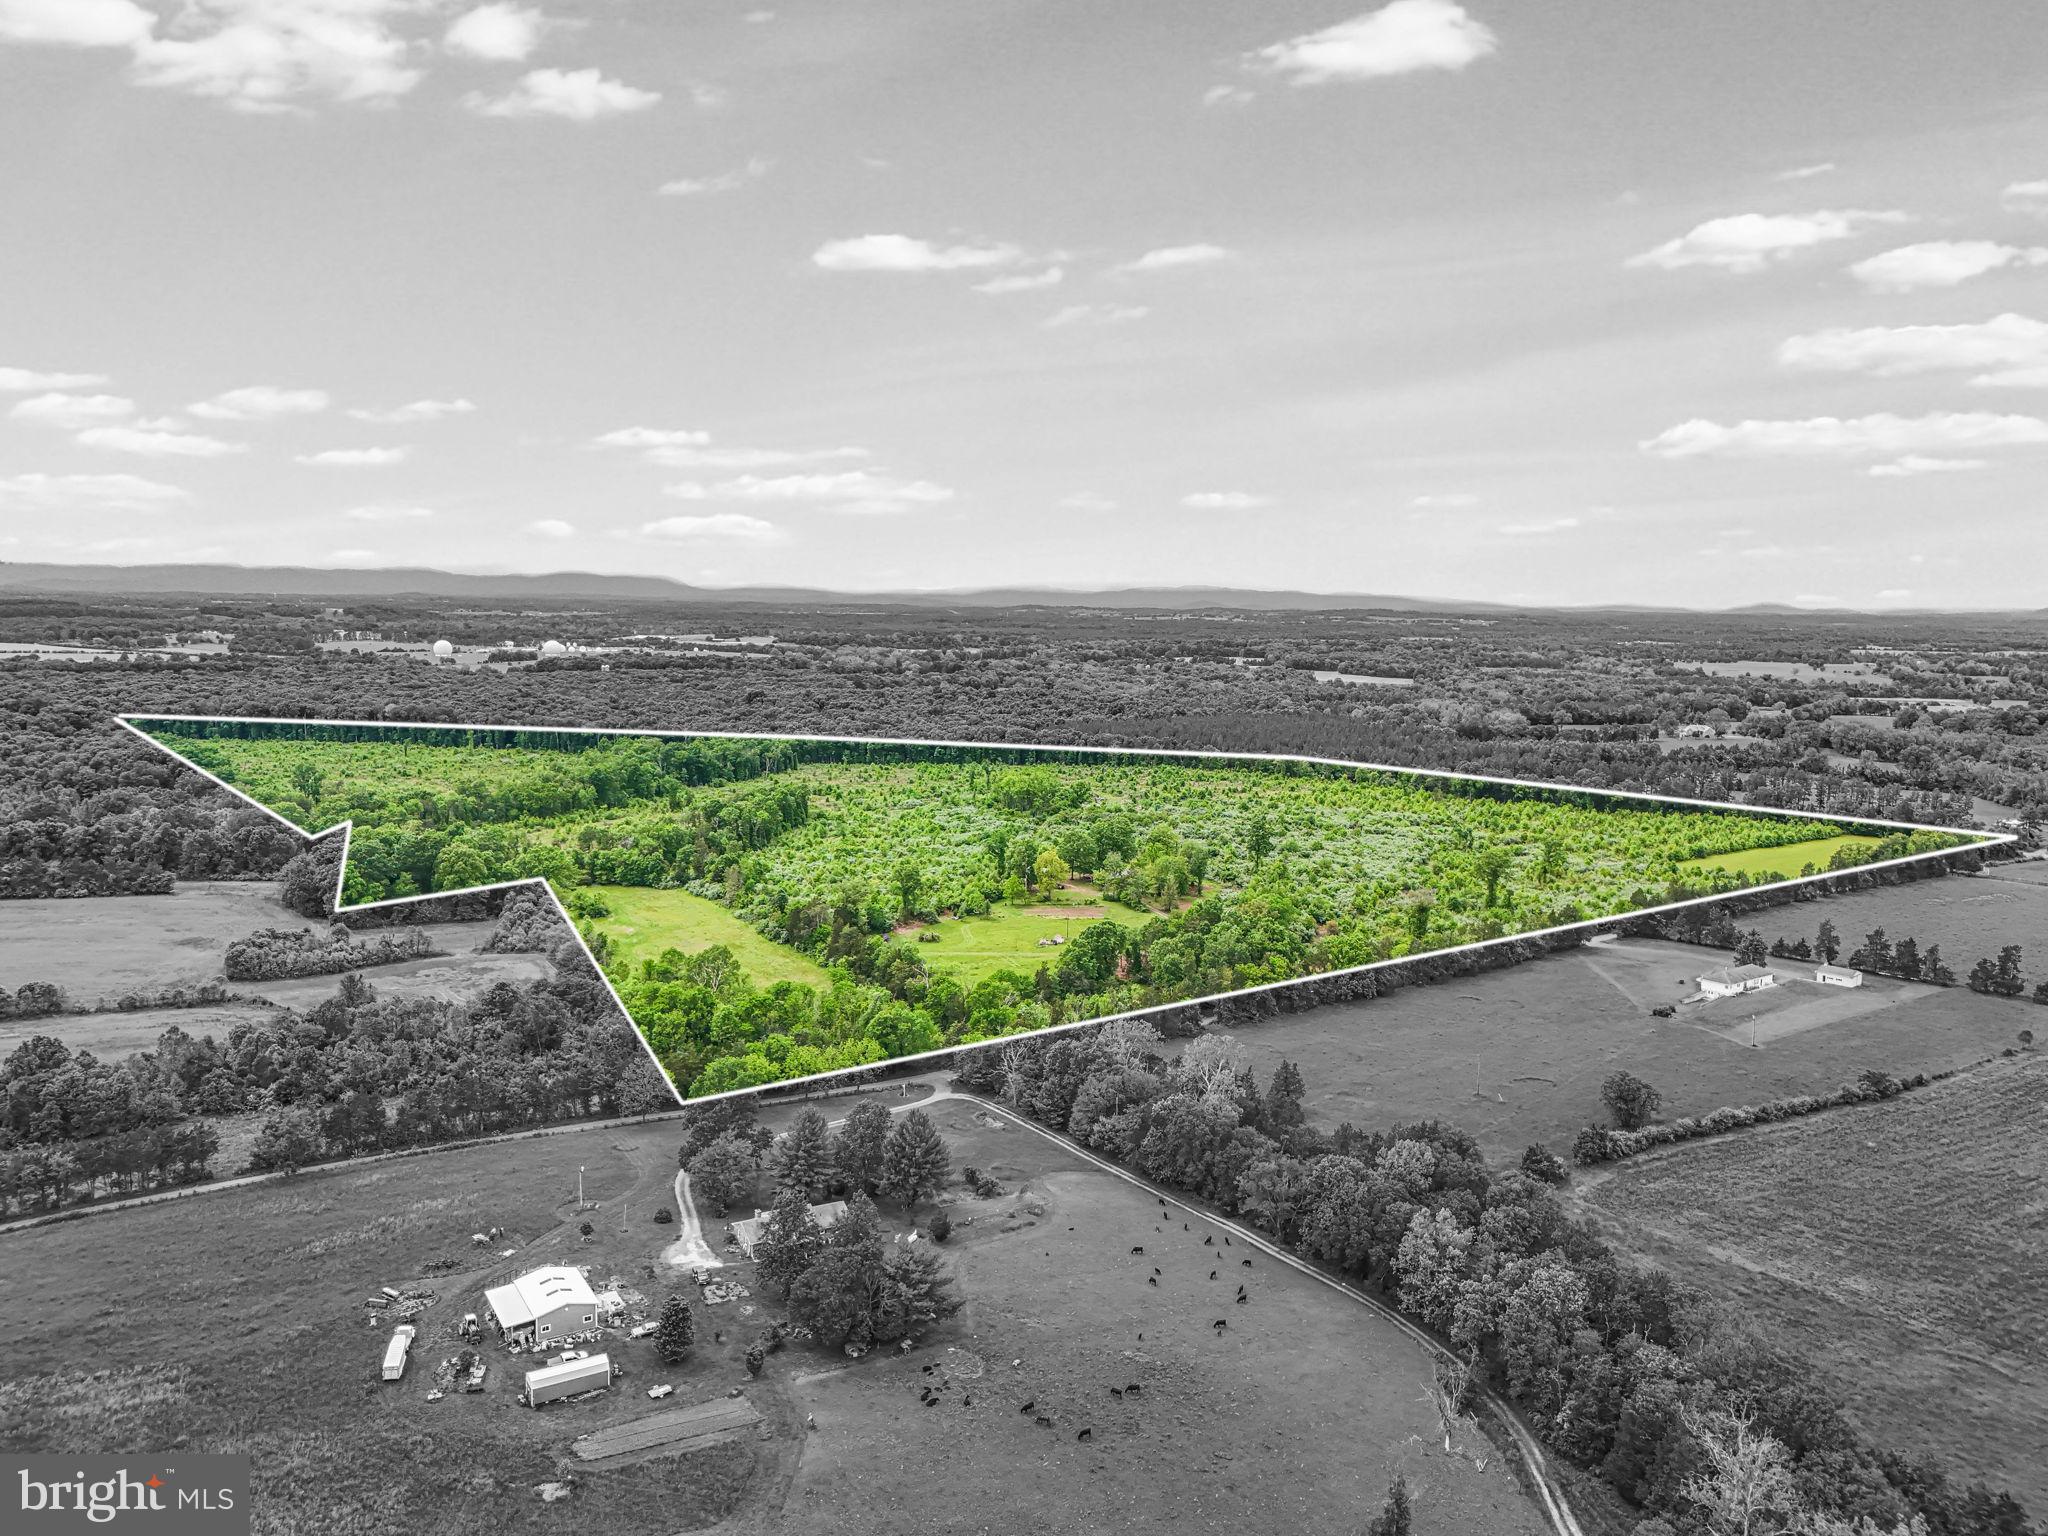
x: 346, y: 828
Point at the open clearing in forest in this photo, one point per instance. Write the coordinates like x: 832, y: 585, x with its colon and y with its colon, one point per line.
x: 645, y: 922
x: 104, y: 946
x: 1780, y: 863
x: 1006, y: 938
x: 1903, y: 1246
x: 1518, y: 1055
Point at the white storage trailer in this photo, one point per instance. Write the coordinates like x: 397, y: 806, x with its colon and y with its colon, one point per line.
x: 566, y: 1378
x: 396, y: 1351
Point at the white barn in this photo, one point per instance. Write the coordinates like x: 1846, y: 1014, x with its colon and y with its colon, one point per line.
x: 1837, y: 976
x: 1731, y: 980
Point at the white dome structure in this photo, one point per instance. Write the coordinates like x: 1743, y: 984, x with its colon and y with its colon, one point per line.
x: 443, y: 650
x: 554, y: 648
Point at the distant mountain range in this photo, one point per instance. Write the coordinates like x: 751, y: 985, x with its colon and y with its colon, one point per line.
x: 425, y: 581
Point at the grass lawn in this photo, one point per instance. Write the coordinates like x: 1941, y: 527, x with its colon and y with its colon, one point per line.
x: 1007, y: 938
x: 1901, y: 1243
x: 1780, y: 863
x: 645, y: 922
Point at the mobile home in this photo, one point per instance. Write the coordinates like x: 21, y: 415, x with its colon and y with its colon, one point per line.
x: 397, y: 1350
x: 566, y: 1378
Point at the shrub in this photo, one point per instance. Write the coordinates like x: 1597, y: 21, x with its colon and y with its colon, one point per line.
x: 757, y: 1356
x: 941, y: 1227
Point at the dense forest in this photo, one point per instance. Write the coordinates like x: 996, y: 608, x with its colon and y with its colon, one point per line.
x: 1629, y: 1374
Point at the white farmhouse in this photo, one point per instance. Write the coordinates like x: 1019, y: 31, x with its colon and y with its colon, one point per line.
x: 1731, y: 980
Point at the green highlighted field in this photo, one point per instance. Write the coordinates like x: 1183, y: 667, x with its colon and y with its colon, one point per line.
x: 772, y: 908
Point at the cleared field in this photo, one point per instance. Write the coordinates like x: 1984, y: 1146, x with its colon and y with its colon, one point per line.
x: 444, y: 978
x: 111, y: 1036
x: 645, y: 922
x: 1291, y: 1420
x: 108, y: 945
x: 1903, y: 1244
x: 1782, y: 863
x: 1518, y: 1056
x: 1006, y: 938
x: 1967, y: 915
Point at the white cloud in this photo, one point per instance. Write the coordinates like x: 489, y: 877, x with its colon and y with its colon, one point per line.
x: 70, y: 412
x: 261, y: 402
x: 1913, y: 464
x: 852, y: 491
x: 2013, y: 347
x: 157, y: 444
x: 1397, y: 39
x: 1447, y: 499
x: 906, y: 253
x: 418, y: 410
x: 653, y: 437
x: 264, y: 55
x: 76, y: 23
x: 1021, y: 282
x: 2025, y: 197
x: 553, y: 528
x: 580, y: 95
x: 38, y: 493
x: 1226, y: 96
x: 1225, y: 501
x: 1941, y: 264
x: 1894, y: 594
x: 734, y: 527
x: 1089, y: 501
x: 1749, y: 242
x: 354, y: 458
x: 20, y: 380
x: 497, y: 31
x: 1547, y: 525
x: 1805, y: 172
x: 351, y: 557
x: 724, y: 181
x: 683, y: 456
x: 1879, y: 434
x: 1094, y: 314
x: 388, y: 514
x: 1169, y: 257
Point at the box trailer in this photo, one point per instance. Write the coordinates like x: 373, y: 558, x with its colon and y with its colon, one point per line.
x: 566, y: 1378
x: 396, y: 1351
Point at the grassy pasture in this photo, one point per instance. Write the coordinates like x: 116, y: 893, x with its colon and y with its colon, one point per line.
x: 645, y: 922
x: 1781, y: 863
x: 108, y: 945
x: 1006, y: 938
x: 1903, y: 1244
x: 1967, y: 915
x: 1518, y: 1056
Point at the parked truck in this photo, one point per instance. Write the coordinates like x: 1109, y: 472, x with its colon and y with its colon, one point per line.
x: 396, y: 1352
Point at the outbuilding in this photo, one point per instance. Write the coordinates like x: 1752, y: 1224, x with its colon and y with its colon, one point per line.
x: 565, y: 1378
x: 1837, y: 976
x: 1730, y: 980
x: 543, y: 1306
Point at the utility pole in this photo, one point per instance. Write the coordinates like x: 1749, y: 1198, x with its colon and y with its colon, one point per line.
x: 579, y: 1187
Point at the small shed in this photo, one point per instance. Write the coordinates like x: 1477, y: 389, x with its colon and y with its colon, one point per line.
x: 565, y: 1378
x: 1837, y: 976
x: 1730, y: 980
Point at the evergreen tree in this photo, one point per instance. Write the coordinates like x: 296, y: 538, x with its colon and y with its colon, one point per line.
x: 857, y: 1150
x: 1933, y: 969
x: 1283, y: 1098
x: 1827, y: 944
x: 677, y: 1330
x: 915, y: 1159
x: 804, y: 1153
x: 789, y: 1242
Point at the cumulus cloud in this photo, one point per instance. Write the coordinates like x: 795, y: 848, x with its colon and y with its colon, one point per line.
x: 1941, y: 264
x: 731, y: 527
x: 1847, y: 436
x: 1397, y: 39
x: 1547, y: 525
x: 261, y: 402
x: 1094, y: 314
x: 497, y: 31
x: 76, y: 23
x: 579, y: 95
x: 1169, y: 257
x: 553, y: 528
x: 1922, y: 464
x: 1226, y: 96
x: 2025, y: 197
x: 857, y: 491
x: 382, y: 513
x: 724, y: 181
x: 266, y: 55
x: 418, y: 410
x: 652, y: 437
x: 2013, y: 348
x: 16, y: 381
x: 906, y: 253
x: 1805, y: 172
x: 1446, y: 499
x: 1225, y: 501
x: 354, y: 458
x: 69, y: 412
x: 684, y: 456
x: 1749, y: 242
x: 1022, y: 282
x: 158, y: 444
x: 86, y: 493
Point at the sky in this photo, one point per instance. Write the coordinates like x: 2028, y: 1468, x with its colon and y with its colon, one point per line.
x: 1569, y: 302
